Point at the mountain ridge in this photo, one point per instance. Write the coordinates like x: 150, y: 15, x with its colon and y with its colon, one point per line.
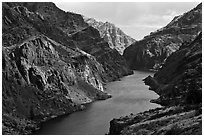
x: 116, y: 38
x: 153, y: 49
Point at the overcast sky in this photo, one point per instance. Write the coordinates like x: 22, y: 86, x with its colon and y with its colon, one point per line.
x: 136, y: 19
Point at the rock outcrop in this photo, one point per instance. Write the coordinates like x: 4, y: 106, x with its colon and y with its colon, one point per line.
x: 42, y: 79
x: 180, y: 78
x: 46, y: 70
x: 114, y: 64
x: 115, y: 37
x: 152, y: 51
x: 179, y: 84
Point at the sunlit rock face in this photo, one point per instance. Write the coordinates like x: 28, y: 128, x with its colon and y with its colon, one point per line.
x: 48, y: 69
x: 115, y: 37
x: 42, y: 79
x: 114, y: 64
x: 152, y: 51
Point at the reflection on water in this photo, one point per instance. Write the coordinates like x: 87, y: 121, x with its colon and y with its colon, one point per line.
x: 130, y: 95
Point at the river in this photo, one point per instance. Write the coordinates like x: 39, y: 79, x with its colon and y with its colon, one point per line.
x: 129, y: 95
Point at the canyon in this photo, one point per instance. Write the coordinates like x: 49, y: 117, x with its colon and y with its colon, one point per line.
x: 55, y: 63
x: 179, y: 85
x: 52, y: 64
x: 177, y: 81
x: 94, y: 120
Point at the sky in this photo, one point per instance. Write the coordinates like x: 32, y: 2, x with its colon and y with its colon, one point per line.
x: 136, y: 19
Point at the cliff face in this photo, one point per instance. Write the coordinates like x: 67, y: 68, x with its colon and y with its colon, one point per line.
x: 42, y: 79
x: 46, y: 18
x: 179, y: 84
x: 179, y: 81
x: 115, y: 37
x: 152, y: 50
x: 114, y: 64
x: 45, y: 69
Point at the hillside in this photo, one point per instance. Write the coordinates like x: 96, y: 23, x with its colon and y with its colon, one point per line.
x: 179, y: 85
x: 152, y: 51
x: 46, y: 70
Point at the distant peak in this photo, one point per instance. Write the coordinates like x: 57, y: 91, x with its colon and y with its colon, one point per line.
x: 116, y: 38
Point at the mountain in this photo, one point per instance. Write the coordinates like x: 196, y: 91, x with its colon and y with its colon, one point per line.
x: 52, y: 63
x: 114, y: 64
x: 152, y: 50
x: 179, y: 84
x: 116, y: 38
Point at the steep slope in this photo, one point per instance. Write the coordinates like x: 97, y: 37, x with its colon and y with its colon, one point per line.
x: 179, y: 84
x: 115, y: 37
x: 114, y: 64
x: 180, y: 78
x: 58, y: 25
x: 42, y: 79
x: 152, y: 50
x: 45, y: 73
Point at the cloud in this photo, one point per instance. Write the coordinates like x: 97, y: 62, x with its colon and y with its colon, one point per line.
x: 139, y: 25
x: 141, y: 16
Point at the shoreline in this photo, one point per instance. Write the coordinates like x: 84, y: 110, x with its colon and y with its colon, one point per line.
x: 145, y: 70
x: 86, y: 105
x: 169, y: 119
x: 82, y: 107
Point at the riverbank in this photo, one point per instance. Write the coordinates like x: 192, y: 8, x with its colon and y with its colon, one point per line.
x: 170, y: 119
x: 95, y: 118
x: 179, y: 85
x: 50, y: 69
x: 14, y: 125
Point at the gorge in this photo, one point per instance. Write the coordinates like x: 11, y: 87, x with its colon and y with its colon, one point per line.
x: 126, y: 97
x: 179, y: 85
x: 55, y: 63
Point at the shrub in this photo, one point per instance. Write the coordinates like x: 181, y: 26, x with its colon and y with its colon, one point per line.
x: 175, y: 130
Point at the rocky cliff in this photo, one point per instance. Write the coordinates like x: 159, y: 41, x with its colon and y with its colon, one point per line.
x: 47, y: 70
x: 115, y: 37
x: 152, y: 50
x: 114, y: 64
x: 179, y: 84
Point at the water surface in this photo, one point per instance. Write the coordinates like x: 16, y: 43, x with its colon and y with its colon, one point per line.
x: 129, y: 95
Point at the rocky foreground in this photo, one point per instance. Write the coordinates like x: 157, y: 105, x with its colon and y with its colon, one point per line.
x: 179, y: 84
x: 52, y: 64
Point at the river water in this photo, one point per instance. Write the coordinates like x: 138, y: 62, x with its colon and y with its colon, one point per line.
x: 129, y: 95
